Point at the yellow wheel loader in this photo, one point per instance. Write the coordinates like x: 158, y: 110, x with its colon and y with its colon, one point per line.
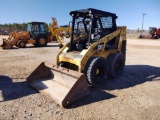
x: 35, y: 34
x: 98, y: 51
x: 67, y: 29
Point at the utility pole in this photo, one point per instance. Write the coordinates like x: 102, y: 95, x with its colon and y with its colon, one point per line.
x: 142, y: 22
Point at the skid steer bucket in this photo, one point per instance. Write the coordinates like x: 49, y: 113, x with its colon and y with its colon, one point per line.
x: 64, y: 86
x: 6, y: 44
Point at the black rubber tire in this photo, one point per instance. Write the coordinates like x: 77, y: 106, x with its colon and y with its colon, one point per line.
x: 123, y: 48
x: 21, y: 44
x: 116, y: 62
x: 38, y: 41
x: 93, y: 65
x: 156, y: 37
x: 60, y: 46
x: 16, y: 45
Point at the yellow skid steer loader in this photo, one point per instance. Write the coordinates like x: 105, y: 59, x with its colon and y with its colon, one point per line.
x: 97, y: 52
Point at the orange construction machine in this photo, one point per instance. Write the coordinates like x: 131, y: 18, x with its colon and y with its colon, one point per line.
x: 36, y: 34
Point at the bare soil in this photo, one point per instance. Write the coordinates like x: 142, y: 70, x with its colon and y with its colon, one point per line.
x: 135, y: 95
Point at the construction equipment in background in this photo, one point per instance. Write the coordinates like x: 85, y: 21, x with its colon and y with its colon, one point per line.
x: 67, y: 29
x: 11, y: 35
x: 154, y: 33
x: 55, y: 33
x: 98, y: 51
x: 35, y: 34
x: 2, y: 32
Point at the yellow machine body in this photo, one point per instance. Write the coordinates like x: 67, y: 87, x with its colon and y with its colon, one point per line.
x: 84, y: 60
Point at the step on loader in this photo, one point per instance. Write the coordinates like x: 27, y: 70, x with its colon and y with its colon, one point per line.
x: 98, y: 51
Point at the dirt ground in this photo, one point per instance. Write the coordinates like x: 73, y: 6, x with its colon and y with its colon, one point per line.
x: 135, y: 95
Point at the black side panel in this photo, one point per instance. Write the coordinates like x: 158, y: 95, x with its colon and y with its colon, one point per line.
x: 123, y: 49
x: 40, y: 35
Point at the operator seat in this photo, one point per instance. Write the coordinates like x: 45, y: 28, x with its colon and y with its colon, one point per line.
x: 82, y: 42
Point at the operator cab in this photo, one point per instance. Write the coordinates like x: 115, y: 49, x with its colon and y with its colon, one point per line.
x: 36, y: 28
x: 89, y: 26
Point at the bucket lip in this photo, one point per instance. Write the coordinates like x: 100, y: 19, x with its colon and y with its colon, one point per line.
x: 64, y: 70
x: 7, y: 47
x: 6, y: 44
x: 46, y: 65
x: 75, y: 88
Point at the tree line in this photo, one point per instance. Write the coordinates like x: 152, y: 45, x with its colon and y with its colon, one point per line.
x: 7, y: 28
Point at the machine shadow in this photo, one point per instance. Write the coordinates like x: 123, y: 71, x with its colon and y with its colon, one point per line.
x: 11, y: 90
x: 16, y: 48
x: 132, y: 76
x: 96, y: 95
x: 42, y: 47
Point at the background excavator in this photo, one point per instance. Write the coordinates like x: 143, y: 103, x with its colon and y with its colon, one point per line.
x: 98, y: 51
x: 35, y: 34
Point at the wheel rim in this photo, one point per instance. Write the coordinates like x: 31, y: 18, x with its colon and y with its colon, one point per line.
x: 42, y: 41
x: 100, y: 73
x: 97, y: 71
x: 118, y: 66
x: 22, y: 44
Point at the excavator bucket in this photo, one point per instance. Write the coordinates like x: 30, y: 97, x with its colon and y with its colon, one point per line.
x: 3, y: 43
x: 64, y: 86
x: 6, y: 44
